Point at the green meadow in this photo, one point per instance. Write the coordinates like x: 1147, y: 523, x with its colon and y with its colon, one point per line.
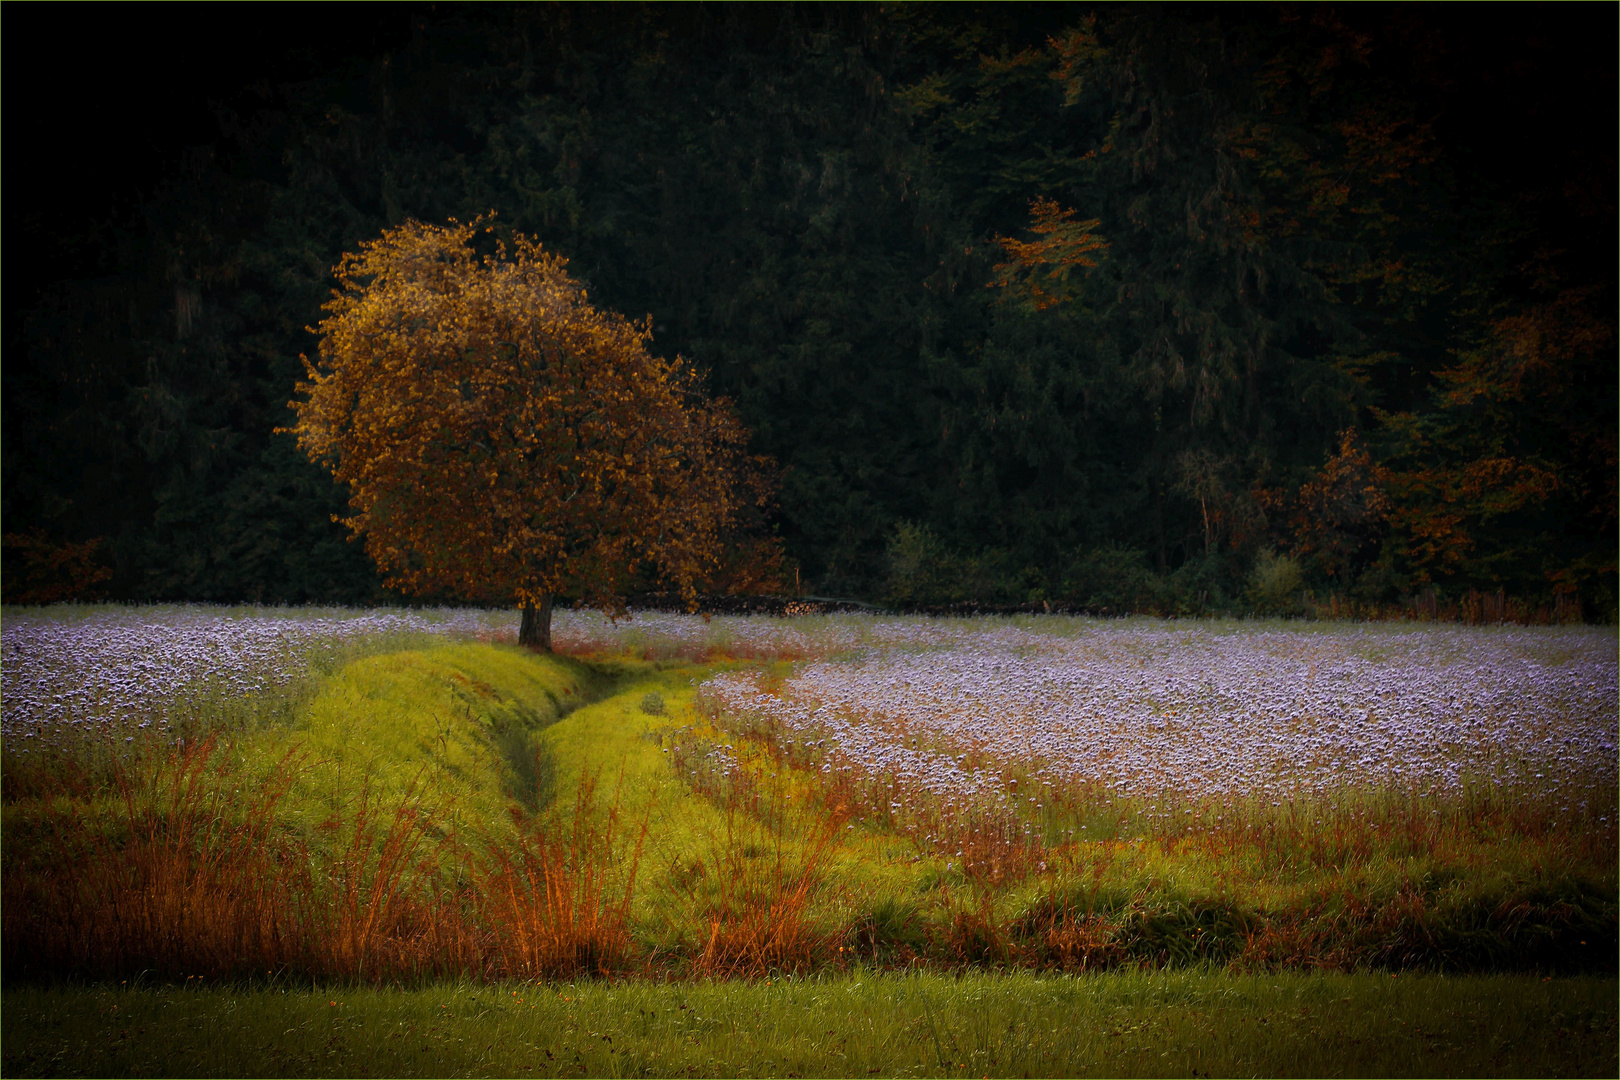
x: 463, y: 858
x: 859, y: 1023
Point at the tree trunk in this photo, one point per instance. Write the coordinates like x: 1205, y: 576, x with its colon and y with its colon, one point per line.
x: 535, y: 631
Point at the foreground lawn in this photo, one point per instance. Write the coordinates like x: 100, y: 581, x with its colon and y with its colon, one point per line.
x: 862, y: 1024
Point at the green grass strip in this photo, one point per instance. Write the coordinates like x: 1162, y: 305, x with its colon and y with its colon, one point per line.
x: 456, y: 726
x: 1122, y: 1024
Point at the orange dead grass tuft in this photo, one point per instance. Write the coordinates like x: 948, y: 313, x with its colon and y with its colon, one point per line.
x: 185, y: 883
x: 563, y: 904
x: 757, y: 918
x: 191, y: 881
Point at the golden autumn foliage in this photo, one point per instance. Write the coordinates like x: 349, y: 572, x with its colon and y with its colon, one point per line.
x: 1438, y: 511
x: 46, y: 572
x: 1337, y: 511
x: 504, y: 440
x: 1038, y: 270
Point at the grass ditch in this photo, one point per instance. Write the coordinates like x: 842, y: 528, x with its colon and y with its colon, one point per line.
x: 470, y: 859
x: 477, y: 812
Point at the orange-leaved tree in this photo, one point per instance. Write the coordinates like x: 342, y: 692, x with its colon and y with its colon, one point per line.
x: 1038, y: 271
x: 505, y: 441
x: 46, y: 572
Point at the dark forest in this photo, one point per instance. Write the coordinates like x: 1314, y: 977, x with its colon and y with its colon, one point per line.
x: 1181, y: 309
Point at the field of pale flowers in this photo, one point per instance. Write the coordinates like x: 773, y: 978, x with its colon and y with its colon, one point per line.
x: 113, y: 672
x: 870, y: 802
x: 1170, y: 714
x: 1398, y: 770
x: 948, y: 711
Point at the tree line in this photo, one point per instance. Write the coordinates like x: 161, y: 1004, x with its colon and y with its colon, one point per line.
x: 1136, y: 307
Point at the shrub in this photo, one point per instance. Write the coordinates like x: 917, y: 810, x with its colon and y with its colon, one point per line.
x: 1275, y: 584
x: 1114, y: 581
x: 922, y: 570
x: 1204, y: 584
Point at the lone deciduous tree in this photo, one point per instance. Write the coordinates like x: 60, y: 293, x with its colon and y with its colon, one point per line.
x: 505, y: 441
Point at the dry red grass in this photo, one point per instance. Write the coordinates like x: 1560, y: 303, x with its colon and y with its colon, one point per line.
x: 186, y: 872
x: 190, y: 880
x: 757, y: 915
x: 562, y: 902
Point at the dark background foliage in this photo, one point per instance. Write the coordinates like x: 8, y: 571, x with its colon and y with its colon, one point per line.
x: 1395, y: 221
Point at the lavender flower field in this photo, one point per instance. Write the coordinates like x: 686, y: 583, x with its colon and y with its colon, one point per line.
x: 68, y: 672
x: 114, y: 673
x: 1161, y: 710
x: 945, y: 708
x: 1041, y: 790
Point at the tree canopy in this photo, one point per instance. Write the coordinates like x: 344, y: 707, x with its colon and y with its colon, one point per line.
x: 1030, y: 303
x: 503, y: 439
